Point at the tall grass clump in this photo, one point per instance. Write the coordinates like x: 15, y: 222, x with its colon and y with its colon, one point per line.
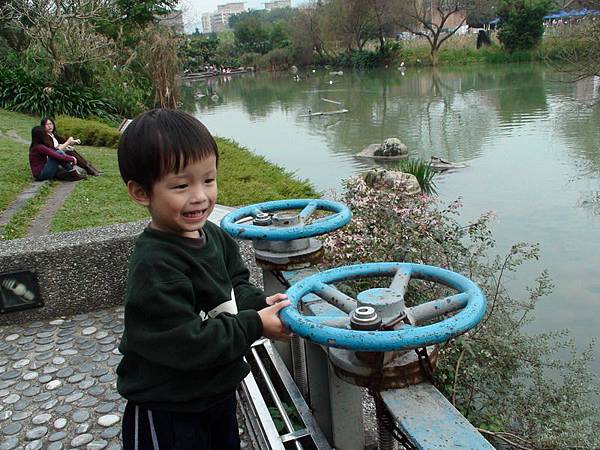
x: 422, y: 171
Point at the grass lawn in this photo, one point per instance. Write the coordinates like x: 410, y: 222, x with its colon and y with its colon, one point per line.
x: 243, y: 178
x: 15, y: 174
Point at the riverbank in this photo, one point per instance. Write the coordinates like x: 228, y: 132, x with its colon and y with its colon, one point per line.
x: 243, y: 178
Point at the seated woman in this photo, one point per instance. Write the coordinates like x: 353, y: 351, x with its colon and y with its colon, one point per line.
x: 59, y: 143
x: 46, y: 161
x: 55, y: 140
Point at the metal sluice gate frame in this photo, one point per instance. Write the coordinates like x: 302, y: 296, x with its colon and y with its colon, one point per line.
x: 270, y: 379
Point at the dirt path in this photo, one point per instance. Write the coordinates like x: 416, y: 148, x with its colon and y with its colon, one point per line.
x: 29, y: 192
x: 40, y: 225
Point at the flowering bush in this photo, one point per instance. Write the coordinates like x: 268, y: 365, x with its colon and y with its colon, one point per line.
x: 512, y: 385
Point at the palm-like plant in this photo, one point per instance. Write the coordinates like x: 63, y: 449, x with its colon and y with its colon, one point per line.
x: 422, y: 171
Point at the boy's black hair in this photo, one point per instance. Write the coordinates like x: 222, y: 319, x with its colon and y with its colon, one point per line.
x: 38, y: 136
x: 161, y: 141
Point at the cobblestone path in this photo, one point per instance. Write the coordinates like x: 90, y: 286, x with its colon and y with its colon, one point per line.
x: 58, y: 384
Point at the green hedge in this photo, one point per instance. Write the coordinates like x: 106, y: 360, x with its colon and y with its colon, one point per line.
x: 90, y: 132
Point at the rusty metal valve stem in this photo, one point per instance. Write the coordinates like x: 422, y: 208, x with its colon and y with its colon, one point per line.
x: 364, y: 318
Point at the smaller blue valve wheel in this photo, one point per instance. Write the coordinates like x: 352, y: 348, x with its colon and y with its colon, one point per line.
x: 238, y: 223
x: 458, y: 312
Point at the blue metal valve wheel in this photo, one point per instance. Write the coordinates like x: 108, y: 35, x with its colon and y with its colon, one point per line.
x: 470, y: 303
x: 340, y: 217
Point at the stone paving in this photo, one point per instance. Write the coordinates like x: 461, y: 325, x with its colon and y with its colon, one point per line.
x: 58, y: 383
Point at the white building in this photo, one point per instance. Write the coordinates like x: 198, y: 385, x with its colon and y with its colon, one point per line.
x: 206, y: 23
x: 278, y: 4
x: 220, y: 19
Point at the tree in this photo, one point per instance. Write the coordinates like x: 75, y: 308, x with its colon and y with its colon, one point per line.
x: 198, y: 50
x: 260, y: 31
x: 252, y: 35
x: 64, y: 29
x: 480, y: 12
x: 306, y: 31
x: 381, y: 10
x: 159, y: 51
x: 350, y: 22
x: 579, y: 54
x: 431, y: 19
x: 142, y: 12
x: 522, y: 23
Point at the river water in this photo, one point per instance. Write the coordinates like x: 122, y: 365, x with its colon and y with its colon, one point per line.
x: 530, y: 138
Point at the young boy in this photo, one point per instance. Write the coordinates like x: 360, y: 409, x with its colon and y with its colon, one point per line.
x: 184, y: 339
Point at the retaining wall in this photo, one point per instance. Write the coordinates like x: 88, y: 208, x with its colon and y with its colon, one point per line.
x: 77, y: 271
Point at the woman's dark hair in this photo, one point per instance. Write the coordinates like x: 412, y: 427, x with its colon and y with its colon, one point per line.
x: 38, y: 136
x: 58, y: 137
x: 159, y: 142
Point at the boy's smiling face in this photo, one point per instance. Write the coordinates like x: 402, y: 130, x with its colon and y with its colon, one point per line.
x: 180, y: 203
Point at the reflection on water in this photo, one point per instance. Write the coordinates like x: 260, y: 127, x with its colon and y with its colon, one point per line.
x: 531, y: 140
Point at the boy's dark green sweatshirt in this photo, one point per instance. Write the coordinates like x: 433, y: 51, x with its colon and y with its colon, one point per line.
x: 183, y: 344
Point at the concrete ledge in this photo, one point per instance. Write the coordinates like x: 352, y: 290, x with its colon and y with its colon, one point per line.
x: 84, y: 270
x: 77, y: 271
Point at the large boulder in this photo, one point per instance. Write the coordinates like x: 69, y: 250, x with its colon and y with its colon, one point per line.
x: 392, y: 147
x: 389, y: 179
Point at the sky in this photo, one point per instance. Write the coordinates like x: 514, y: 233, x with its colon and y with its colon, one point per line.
x: 193, y: 9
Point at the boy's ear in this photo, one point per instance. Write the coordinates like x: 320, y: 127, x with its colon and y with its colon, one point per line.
x: 137, y: 193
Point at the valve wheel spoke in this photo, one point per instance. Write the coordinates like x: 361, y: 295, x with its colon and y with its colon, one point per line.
x: 256, y: 211
x: 329, y: 321
x: 400, y: 282
x: 308, y: 211
x: 436, y: 308
x: 326, y: 218
x: 335, y: 297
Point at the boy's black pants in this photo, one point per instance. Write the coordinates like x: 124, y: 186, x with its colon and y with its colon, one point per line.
x: 214, y: 429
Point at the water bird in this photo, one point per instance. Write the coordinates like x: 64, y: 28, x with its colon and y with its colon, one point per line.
x: 330, y: 81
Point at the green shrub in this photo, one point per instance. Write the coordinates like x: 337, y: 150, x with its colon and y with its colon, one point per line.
x: 522, y: 23
x: 532, y: 389
x: 276, y: 59
x: 359, y: 59
x: 250, y: 59
x: 24, y: 92
x: 89, y: 131
x: 128, y: 93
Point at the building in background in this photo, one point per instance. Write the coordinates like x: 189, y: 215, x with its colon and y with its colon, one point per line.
x: 219, y: 21
x: 278, y: 4
x: 206, y: 23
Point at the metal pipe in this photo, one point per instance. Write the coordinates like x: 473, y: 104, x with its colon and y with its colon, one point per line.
x: 278, y: 404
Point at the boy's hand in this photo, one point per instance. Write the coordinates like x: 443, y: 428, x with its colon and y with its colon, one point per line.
x: 273, y: 328
x: 276, y: 298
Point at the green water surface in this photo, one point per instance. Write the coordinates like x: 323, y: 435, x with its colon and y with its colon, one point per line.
x: 530, y: 138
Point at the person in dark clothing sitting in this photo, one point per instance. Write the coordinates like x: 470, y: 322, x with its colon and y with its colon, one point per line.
x: 46, y: 162
x: 61, y: 144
